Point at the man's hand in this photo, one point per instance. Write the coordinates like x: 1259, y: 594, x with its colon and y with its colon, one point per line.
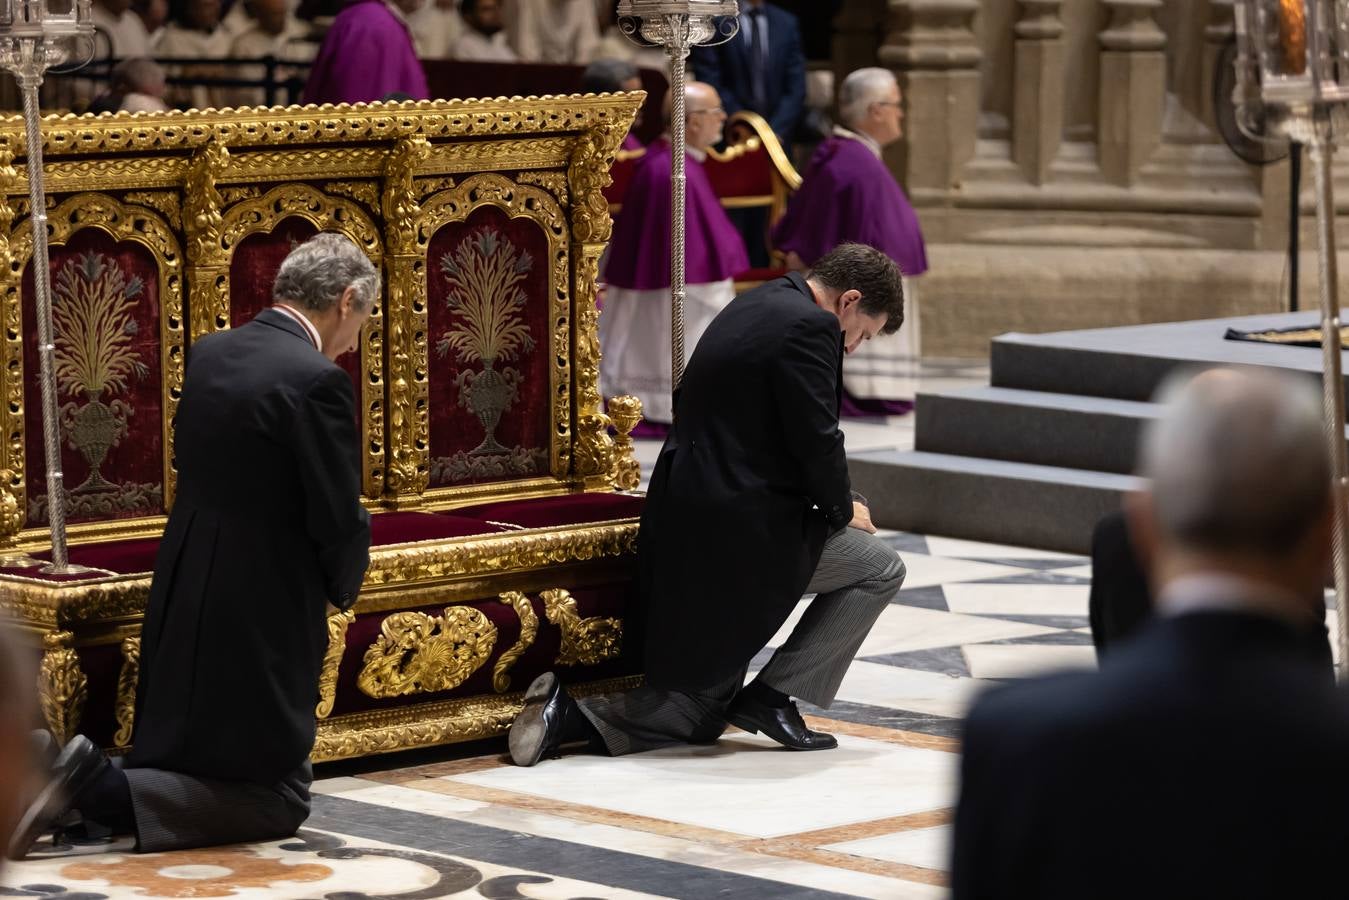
x: 861, y: 518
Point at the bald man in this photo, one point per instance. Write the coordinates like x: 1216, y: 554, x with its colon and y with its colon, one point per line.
x: 635, y: 326
x: 1206, y: 758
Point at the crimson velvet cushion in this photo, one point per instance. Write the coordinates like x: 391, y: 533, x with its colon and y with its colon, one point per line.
x: 552, y: 512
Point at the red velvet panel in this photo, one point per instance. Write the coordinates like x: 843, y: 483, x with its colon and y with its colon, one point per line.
x: 123, y: 557
x: 603, y: 600
x: 546, y: 512
x: 748, y: 175
x: 253, y: 269
x: 405, y: 527
x: 489, y: 337
x: 105, y: 298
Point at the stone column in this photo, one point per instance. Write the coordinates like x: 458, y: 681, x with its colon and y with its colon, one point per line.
x: 1221, y: 26
x: 857, y: 37
x: 1037, y: 105
x: 1133, y: 89
x: 933, y: 50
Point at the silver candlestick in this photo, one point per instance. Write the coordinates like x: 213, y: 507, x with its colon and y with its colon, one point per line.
x: 34, y: 37
x: 678, y: 26
x: 1292, y: 71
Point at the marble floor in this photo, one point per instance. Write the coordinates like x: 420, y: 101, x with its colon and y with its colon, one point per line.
x: 741, y: 819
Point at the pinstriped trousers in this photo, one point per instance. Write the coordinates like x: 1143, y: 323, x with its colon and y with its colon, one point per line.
x: 857, y: 576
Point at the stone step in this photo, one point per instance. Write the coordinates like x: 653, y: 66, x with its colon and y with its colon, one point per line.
x: 1049, y: 507
x: 1060, y: 430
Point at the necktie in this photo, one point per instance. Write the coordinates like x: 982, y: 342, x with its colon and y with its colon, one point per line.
x: 758, y: 60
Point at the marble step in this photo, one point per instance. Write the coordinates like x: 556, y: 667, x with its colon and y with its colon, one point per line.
x: 1048, y: 507
x: 1063, y: 430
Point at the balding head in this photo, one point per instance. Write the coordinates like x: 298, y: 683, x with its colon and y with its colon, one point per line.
x: 703, y: 115
x: 1240, y: 476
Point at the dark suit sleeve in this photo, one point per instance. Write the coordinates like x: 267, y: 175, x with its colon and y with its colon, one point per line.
x: 792, y: 103
x: 805, y: 386
x: 973, y: 843
x: 326, y: 446
x: 707, y: 68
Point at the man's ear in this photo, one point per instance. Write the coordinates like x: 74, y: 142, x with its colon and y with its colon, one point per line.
x: 848, y: 299
x: 346, y: 304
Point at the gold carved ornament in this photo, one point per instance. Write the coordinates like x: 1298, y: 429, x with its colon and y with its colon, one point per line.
x: 408, y: 466
x: 202, y: 221
x: 416, y: 653
x: 166, y: 203
x: 332, y: 661
x: 365, y: 193
x: 11, y: 515
x: 11, y: 409
x: 127, y: 680
x: 102, y: 358
x: 538, y: 206
x: 529, y: 629
x: 62, y: 686
x: 325, y: 213
x: 625, y: 412
x: 585, y: 642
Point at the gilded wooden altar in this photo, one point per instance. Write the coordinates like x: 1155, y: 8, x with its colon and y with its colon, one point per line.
x: 504, y: 519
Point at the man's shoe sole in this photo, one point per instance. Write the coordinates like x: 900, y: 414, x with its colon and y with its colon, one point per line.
x: 528, y: 732
x: 55, y: 795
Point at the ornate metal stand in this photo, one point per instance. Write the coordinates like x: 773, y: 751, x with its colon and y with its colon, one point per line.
x: 33, y: 39
x: 1293, y: 71
x: 678, y: 26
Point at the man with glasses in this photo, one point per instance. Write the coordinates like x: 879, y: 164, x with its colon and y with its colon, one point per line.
x: 635, y: 327
x: 849, y: 195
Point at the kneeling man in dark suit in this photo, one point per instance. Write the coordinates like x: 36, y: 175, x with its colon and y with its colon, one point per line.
x: 749, y: 508
x: 1206, y: 757
x: 266, y: 531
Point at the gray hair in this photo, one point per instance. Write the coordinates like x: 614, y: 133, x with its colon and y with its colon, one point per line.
x: 860, y: 90
x: 1238, y: 461
x: 316, y: 273
x: 139, y: 74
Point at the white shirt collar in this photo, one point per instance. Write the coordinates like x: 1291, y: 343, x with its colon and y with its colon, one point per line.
x: 308, y: 326
x: 1224, y: 592
x: 871, y: 143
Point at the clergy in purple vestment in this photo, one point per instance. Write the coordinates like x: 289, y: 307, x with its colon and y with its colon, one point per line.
x: 849, y: 196
x: 367, y: 55
x: 635, y: 324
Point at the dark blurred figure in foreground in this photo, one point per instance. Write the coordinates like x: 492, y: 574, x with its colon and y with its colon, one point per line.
x: 17, y: 766
x: 1205, y: 759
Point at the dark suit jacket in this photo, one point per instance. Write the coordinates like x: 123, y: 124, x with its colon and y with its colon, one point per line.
x: 1206, y: 759
x: 727, y: 68
x: 266, y: 529
x: 748, y: 485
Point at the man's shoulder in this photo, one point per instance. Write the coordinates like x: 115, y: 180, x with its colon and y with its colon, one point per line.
x: 782, y: 301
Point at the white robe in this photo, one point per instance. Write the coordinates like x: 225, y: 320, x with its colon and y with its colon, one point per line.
x: 565, y: 32
x: 635, y: 340
x: 886, y: 367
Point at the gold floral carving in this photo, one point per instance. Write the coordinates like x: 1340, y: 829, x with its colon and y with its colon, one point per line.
x: 165, y: 203
x: 554, y: 183
x: 499, y: 156
x: 518, y: 202
x: 401, y: 200
x: 625, y: 412
x: 325, y: 213
x: 238, y: 193
x: 11, y: 514
x: 594, y: 447
x: 126, y: 691
x: 585, y: 642
x: 529, y: 629
x: 202, y: 220
x: 416, y: 653
x: 294, y: 165
x: 62, y: 686
x: 365, y: 193
x: 332, y: 661
x: 430, y: 724
x: 428, y: 186
x: 12, y: 457
x: 123, y: 223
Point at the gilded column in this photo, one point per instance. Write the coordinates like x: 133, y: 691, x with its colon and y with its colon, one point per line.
x: 591, y: 227
x: 207, y: 259
x: 932, y: 47
x: 62, y: 686
x: 1037, y: 104
x: 1133, y: 89
x: 409, y: 431
x: 12, y: 457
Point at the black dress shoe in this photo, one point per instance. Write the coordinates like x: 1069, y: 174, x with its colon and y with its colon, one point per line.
x: 550, y: 714
x: 782, y: 723
x: 78, y: 765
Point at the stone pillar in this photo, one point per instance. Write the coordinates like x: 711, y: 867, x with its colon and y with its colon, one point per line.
x: 1133, y: 89
x: 1037, y: 125
x: 857, y: 37
x: 1221, y: 26
x: 932, y: 48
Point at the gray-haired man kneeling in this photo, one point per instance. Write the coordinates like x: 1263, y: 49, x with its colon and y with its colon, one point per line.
x: 267, y: 530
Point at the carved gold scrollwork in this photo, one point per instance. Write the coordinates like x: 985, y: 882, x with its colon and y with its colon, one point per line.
x: 401, y: 202
x: 585, y: 642
x: 529, y: 629
x: 428, y: 186
x: 625, y: 412
x: 11, y: 515
x: 202, y: 221
x: 417, y: 653
x: 164, y: 202
x: 62, y: 686
x: 332, y: 661
x: 594, y: 458
x: 126, y: 691
x: 365, y: 193
x: 554, y: 183
x: 11, y: 409
x: 588, y: 175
